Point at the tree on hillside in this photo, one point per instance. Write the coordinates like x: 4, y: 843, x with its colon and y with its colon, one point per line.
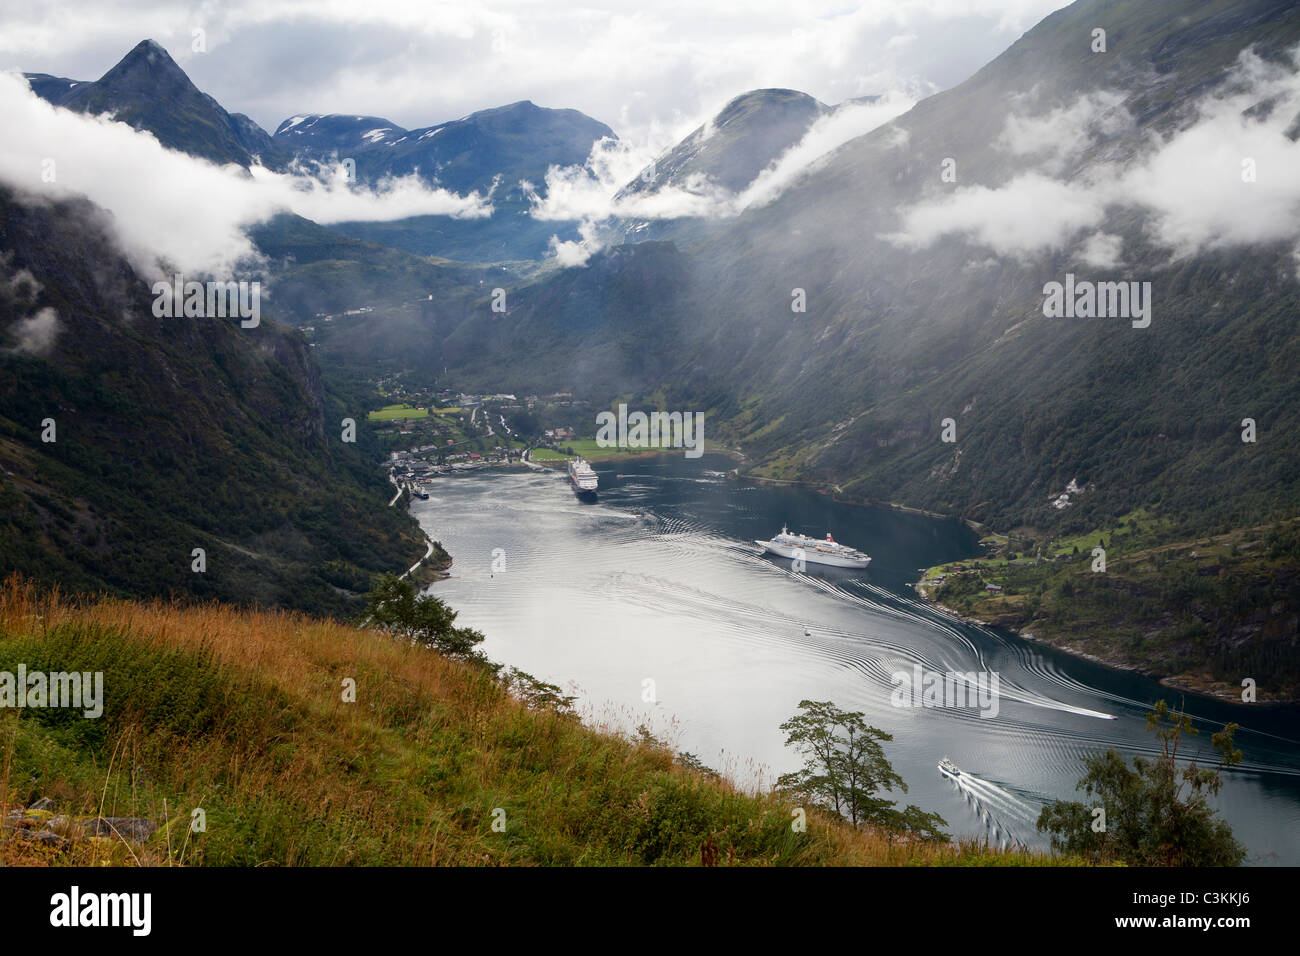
x: 1155, y: 814
x: 394, y: 605
x: 845, y: 767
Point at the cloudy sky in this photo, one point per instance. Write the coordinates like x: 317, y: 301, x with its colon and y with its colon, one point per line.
x: 638, y: 65
x: 653, y: 71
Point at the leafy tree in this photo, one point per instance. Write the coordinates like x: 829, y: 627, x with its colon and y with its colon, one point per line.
x: 538, y: 694
x: 691, y: 762
x: 1156, y: 814
x: 394, y: 605
x: 844, y: 768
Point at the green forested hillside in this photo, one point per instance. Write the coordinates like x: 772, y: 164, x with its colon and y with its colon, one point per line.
x: 174, y: 434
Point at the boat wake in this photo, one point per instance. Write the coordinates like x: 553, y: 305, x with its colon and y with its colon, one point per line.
x: 1006, y: 816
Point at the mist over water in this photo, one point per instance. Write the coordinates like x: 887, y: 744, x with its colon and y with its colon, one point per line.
x: 661, y: 580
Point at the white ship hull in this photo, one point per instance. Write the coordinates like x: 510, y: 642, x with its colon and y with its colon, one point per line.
x: 583, y: 478
x: 813, y: 551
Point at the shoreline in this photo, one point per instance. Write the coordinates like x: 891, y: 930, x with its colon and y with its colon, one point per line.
x: 1170, y: 682
x: 835, y: 493
x: 617, y: 455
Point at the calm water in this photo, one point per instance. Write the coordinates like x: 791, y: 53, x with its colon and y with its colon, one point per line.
x: 660, y: 581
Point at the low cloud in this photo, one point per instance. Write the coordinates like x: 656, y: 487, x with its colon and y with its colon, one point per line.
x: 328, y: 196
x: 19, y: 289
x: 1227, y: 178
x: 587, y: 192
x: 35, y: 334
x: 168, y: 206
x: 576, y: 252
x: 1061, y: 135
x: 592, y: 193
x: 1231, y: 177
x: 1102, y: 250
x: 823, y: 137
x: 19, y: 285
x: 1031, y: 214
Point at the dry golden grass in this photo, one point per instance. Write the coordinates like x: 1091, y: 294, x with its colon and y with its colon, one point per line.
x: 242, y: 713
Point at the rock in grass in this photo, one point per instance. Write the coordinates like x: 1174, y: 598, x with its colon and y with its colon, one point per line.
x: 135, y: 829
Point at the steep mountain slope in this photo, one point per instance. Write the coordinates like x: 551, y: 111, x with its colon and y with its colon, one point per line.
x: 897, y: 337
x: 127, y: 441
x: 148, y: 91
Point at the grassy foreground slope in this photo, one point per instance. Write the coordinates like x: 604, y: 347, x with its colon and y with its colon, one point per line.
x: 241, y: 713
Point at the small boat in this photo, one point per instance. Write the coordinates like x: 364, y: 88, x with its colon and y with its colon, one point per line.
x: 948, y: 768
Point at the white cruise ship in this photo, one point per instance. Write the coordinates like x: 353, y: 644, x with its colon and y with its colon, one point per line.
x: 582, y: 476
x: 814, y: 551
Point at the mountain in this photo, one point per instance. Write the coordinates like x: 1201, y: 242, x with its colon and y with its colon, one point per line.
x: 148, y: 91
x: 726, y: 154
x: 490, y: 151
x: 487, y: 148
x: 735, y: 146
x: 171, y: 434
x: 895, y: 338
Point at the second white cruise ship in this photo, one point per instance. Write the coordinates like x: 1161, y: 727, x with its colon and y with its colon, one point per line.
x: 583, y: 477
x: 813, y: 551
